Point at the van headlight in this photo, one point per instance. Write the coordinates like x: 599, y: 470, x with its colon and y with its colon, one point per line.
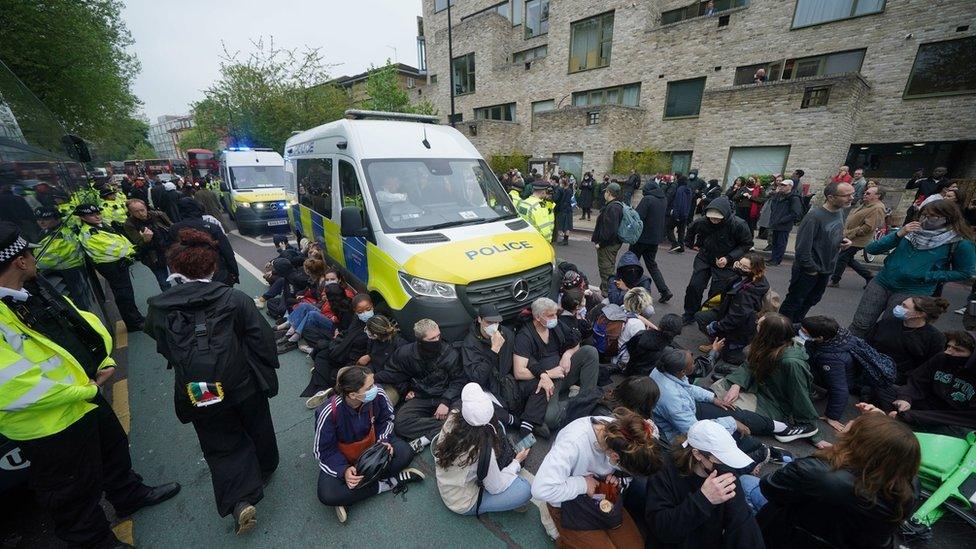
x: 427, y: 288
x: 243, y: 204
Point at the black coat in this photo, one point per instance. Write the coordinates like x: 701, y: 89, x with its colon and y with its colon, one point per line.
x: 785, y: 211
x: 607, y: 223
x: 645, y: 350
x: 227, y: 270
x: 807, y: 500
x: 441, y: 378
x: 480, y: 362
x: 652, y: 210
x: 587, y: 188
x: 730, y: 239
x: 739, y: 310
x: 380, y: 352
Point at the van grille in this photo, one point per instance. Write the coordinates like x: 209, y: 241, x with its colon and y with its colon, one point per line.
x: 428, y: 238
x: 498, y: 291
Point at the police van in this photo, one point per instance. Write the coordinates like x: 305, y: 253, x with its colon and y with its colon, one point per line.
x: 254, y: 189
x: 412, y: 214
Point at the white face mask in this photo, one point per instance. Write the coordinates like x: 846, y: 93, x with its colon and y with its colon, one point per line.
x: 491, y: 329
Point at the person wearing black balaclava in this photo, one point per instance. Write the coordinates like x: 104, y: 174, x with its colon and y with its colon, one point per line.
x: 429, y: 375
x: 191, y: 215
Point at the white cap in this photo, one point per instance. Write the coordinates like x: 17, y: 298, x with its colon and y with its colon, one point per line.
x: 714, y: 213
x: 169, y: 186
x: 708, y: 436
x: 476, y: 406
x: 787, y: 182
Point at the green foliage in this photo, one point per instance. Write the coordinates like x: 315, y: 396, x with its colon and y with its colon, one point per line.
x: 72, y: 55
x: 501, y: 163
x: 131, y: 133
x: 384, y: 93
x: 142, y: 151
x: 648, y: 161
x: 259, y: 101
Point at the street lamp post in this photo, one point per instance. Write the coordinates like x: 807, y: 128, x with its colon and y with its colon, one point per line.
x: 450, y: 59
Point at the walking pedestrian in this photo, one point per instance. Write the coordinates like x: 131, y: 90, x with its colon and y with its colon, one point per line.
x: 633, y: 183
x: 222, y: 354
x: 860, y: 228
x: 563, y: 210
x: 652, y: 209
x: 720, y: 239
x: 605, y: 234
x: 819, y: 241
x: 785, y: 211
x: 679, y: 213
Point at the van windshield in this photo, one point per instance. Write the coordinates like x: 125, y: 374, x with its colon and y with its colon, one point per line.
x: 426, y: 194
x: 257, y: 177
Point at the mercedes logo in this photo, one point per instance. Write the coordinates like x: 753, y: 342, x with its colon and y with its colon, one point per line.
x: 273, y: 206
x: 520, y: 290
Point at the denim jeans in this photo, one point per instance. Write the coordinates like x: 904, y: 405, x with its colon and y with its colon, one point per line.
x: 754, y: 496
x: 315, y: 318
x: 516, y: 495
x: 298, y: 315
x: 779, y: 240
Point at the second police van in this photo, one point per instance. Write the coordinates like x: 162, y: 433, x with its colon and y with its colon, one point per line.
x: 412, y: 214
x: 254, y: 189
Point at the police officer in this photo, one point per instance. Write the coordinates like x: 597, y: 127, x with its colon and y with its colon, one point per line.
x: 53, y: 359
x: 112, y: 254
x: 62, y: 254
x: 537, y: 210
x: 113, y: 207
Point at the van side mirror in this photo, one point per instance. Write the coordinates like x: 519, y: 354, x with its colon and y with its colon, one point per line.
x: 351, y: 222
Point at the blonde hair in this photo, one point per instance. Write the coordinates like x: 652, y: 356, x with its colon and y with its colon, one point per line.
x: 422, y: 327
x: 637, y: 299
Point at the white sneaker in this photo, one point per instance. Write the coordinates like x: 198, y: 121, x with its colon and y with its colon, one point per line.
x: 961, y: 311
x: 259, y: 302
x: 307, y: 349
x: 341, y: 514
x: 317, y: 399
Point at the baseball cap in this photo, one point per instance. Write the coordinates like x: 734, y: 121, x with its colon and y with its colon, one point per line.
x: 708, y: 436
x: 476, y: 406
x: 489, y: 312
x: 714, y: 213
x: 12, y: 244
x: 614, y: 188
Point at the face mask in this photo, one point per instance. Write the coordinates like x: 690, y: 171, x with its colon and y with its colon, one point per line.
x: 721, y: 469
x: 649, y: 311
x: 369, y: 395
x: 552, y: 323
x: 365, y: 315
x: 491, y: 329
x: 934, y: 223
x: 802, y: 337
x: 429, y: 349
x: 739, y: 271
x: 956, y: 360
x: 329, y: 281
x: 692, y: 176
x: 900, y: 312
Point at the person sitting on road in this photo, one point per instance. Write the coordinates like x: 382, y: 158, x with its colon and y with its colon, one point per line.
x: 640, y: 308
x: 855, y: 494
x: 546, y: 351
x: 383, y: 339
x: 645, y: 347
x: 572, y: 315
x: 575, y: 280
x: 908, y: 336
x: 694, y: 500
x: 774, y: 382
x: 940, y: 395
x: 429, y: 376
x: 357, y: 416
x: 630, y: 274
x: 582, y: 462
x: 486, y: 355
x: 742, y: 298
x: 477, y: 469
x: 333, y: 351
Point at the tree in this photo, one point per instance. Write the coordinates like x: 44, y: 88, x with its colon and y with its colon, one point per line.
x: 384, y: 93
x: 259, y: 101
x: 72, y: 55
x: 143, y: 151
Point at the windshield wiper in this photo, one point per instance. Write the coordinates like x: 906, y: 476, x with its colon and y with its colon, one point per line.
x: 452, y: 224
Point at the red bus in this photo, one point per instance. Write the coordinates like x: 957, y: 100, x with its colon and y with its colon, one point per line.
x: 156, y: 166
x: 132, y: 168
x: 202, y: 162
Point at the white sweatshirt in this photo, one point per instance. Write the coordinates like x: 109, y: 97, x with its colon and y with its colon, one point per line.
x: 573, y: 456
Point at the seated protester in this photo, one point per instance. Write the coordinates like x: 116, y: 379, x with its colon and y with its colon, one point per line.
x: 315, y: 270
x: 774, y: 382
x: 694, y: 500
x: 583, y: 461
x: 677, y: 409
x: 742, y: 298
x: 357, y: 416
x: 855, y: 494
x: 429, y: 376
x: 486, y: 356
x: 908, y: 336
x: 572, y: 314
x: 477, y: 469
x: 546, y: 351
x: 645, y: 347
x: 277, y: 277
x: 940, y: 396
x: 630, y: 274
x: 573, y: 280
x: 640, y: 308
x: 345, y: 349
x: 383, y: 338
x: 336, y: 314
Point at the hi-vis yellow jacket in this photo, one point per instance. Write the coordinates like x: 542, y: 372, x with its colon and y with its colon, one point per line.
x: 103, y: 244
x: 43, y: 389
x: 537, y: 212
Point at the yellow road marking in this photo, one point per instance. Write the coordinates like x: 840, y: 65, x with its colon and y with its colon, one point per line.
x: 121, y: 335
x: 123, y: 531
x: 120, y: 402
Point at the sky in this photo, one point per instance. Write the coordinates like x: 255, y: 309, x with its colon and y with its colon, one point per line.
x: 179, y: 42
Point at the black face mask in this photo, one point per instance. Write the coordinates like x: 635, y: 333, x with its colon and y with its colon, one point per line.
x: 740, y: 271
x: 721, y: 469
x: 429, y: 349
x: 956, y: 361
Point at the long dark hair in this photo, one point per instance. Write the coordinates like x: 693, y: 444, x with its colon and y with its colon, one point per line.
x: 774, y: 336
x: 638, y: 394
x: 461, y: 445
x: 953, y: 215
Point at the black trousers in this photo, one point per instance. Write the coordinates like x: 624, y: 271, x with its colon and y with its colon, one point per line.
x: 847, y: 258
x: 415, y: 418
x: 241, y: 450
x: 116, y: 274
x: 759, y: 425
x: 70, y: 470
x: 804, y: 292
x: 676, y: 226
x: 704, y: 272
x: 334, y: 492
x: 323, y: 373
x: 648, y: 253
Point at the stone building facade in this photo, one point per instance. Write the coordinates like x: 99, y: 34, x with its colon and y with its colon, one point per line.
x: 830, y: 111
x: 410, y: 79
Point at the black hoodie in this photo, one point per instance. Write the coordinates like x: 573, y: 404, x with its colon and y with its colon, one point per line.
x: 730, y: 239
x: 250, y: 372
x: 192, y: 218
x: 652, y: 210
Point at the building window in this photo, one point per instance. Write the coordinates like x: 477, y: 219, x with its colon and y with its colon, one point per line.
x: 823, y: 65
x: 518, y: 12
x: 411, y: 82
x: 536, y: 18
x: 433, y: 79
x: 699, y: 9
x: 747, y: 74
x: 509, y: 9
x: 543, y: 106
x: 592, y: 118
x: 943, y: 68
x: 815, y: 97
x: 532, y: 54
x: 684, y: 98
x: 745, y: 161
x: 589, y: 43
x: 496, y: 112
x: 680, y: 162
x: 441, y: 5
x: 901, y: 160
x: 628, y: 95
x: 814, y: 12
x: 463, y: 68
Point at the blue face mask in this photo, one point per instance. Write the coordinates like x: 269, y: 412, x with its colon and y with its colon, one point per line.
x: 552, y: 323
x: 369, y: 395
x: 365, y: 315
x: 900, y: 312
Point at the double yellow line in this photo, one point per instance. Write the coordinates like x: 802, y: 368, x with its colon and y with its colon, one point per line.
x: 120, y: 404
